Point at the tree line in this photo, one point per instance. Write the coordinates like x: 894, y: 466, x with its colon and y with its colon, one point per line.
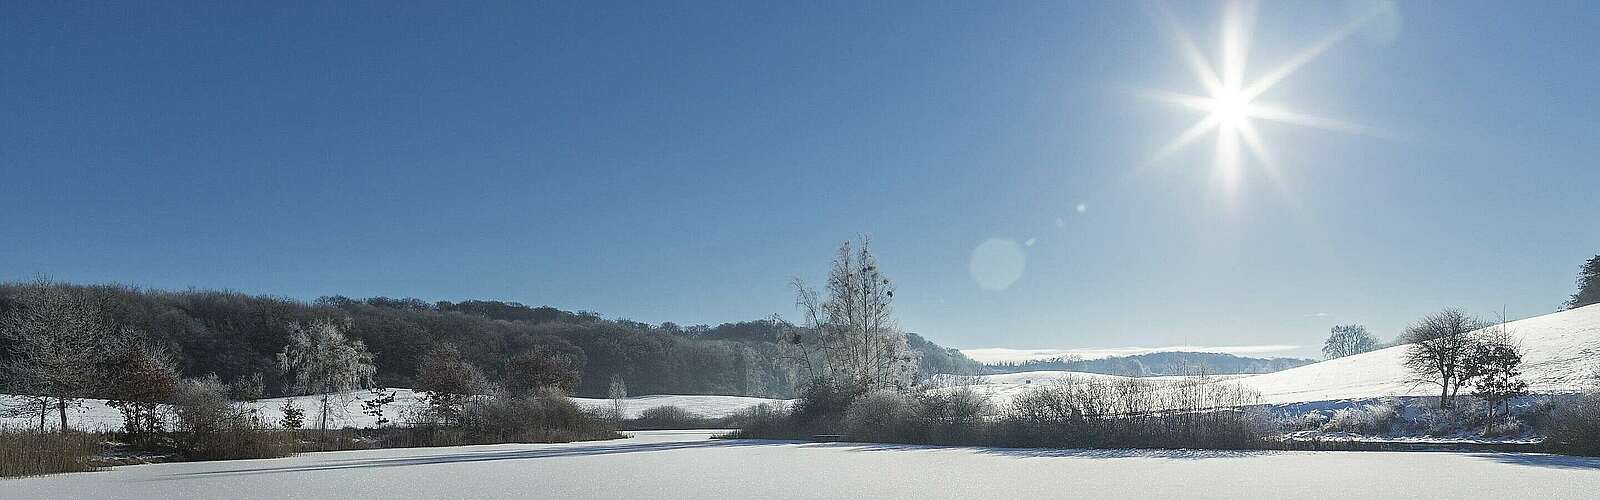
x: 238, y: 338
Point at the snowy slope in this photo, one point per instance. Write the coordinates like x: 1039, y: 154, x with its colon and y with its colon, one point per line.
x: 1560, y: 352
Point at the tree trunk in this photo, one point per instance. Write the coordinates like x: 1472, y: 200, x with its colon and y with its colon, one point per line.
x: 61, y: 406
x: 44, y: 409
x: 1444, y: 396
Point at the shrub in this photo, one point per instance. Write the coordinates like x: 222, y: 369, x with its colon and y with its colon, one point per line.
x: 821, y: 407
x: 762, y: 421
x: 210, y: 427
x: 886, y: 417
x: 30, y: 453
x: 544, y: 416
x: 669, y: 417
x: 1575, y: 426
x: 955, y: 416
x: 1362, y: 419
x: 1314, y: 420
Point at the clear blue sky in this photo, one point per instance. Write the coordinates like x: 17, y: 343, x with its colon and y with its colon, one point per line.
x: 679, y: 162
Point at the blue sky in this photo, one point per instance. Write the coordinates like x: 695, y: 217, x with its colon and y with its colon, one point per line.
x: 679, y: 162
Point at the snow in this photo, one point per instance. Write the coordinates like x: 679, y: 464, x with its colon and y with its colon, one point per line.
x: 685, y: 464
x: 93, y: 414
x: 1561, y: 353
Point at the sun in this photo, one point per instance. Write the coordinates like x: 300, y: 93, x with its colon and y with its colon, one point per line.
x: 1232, y: 105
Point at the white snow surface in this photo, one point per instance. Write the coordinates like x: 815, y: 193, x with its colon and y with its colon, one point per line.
x: 93, y: 414
x: 1561, y: 353
x: 685, y: 464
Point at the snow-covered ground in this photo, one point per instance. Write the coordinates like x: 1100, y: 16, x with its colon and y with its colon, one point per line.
x: 93, y: 414
x: 685, y: 464
x: 1561, y: 353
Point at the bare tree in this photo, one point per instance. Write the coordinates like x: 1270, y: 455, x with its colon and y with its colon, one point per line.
x: 323, y: 362
x: 856, y: 340
x: 143, y: 380
x: 1439, y: 348
x: 58, y: 345
x: 1346, y: 340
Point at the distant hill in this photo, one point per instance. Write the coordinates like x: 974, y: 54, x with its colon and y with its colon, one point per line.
x: 1155, y: 364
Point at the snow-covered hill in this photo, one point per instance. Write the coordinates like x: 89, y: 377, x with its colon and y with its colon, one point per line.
x: 1561, y: 353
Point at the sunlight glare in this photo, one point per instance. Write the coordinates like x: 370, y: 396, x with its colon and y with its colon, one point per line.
x: 1231, y: 105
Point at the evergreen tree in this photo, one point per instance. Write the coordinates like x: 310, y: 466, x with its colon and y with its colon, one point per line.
x: 1588, y: 285
x: 1494, y: 366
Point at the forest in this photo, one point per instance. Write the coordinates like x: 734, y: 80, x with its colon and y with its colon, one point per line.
x: 236, y: 337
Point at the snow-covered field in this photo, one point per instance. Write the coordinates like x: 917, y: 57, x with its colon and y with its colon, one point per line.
x: 93, y: 414
x: 1561, y: 353
x: 685, y: 464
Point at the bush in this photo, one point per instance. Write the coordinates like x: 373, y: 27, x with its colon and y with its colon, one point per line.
x: 955, y: 416
x: 1575, y: 426
x: 30, y: 453
x: 1131, y: 413
x: 885, y: 417
x: 821, y: 407
x: 210, y: 427
x: 761, y: 421
x: 545, y: 416
x: 1362, y: 419
x: 1070, y: 412
x: 672, y: 417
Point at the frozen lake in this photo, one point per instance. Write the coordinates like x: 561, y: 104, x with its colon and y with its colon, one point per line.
x: 685, y: 464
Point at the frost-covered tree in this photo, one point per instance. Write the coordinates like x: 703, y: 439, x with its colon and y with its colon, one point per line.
x: 321, y: 361
x: 1588, y: 284
x: 1438, y: 350
x: 447, y: 381
x: 618, y: 391
x: 855, y: 341
x: 58, y: 345
x: 1346, y: 340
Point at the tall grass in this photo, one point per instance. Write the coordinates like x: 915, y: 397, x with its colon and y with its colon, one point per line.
x: 30, y: 453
